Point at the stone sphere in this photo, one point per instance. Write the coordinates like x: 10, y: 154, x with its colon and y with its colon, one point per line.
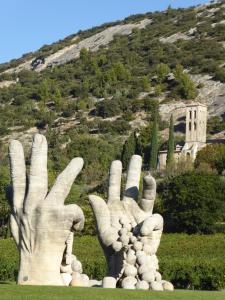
x: 117, y: 246
x: 138, y: 245
x: 142, y: 259
x: 156, y: 286
x: 67, y: 278
x: 158, y: 277
x: 130, y: 270
x: 84, y: 280
x: 131, y: 258
x: 129, y: 282
x: 167, y: 286
x: 124, y: 239
x: 148, y: 276
x: 77, y: 266
x: 142, y: 285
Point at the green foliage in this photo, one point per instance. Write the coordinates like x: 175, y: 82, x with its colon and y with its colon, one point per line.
x: 170, y: 149
x: 185, y: 87
x: 215, y: 124
x: 154, y: 146
x: 130, y: 148
x: 212, y: 155
x: 193, y: 202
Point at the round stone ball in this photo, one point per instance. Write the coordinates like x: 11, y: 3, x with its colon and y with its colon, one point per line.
x: 156, y: 286
x: 117, y: 246
x: 130, y: 270
x: 167, y: 286
x: 138, y: 245
x: 129, y: 282
x: 148, y: 276
x: 142, y: 285
x: 67, y: 278
x: 77, y: 266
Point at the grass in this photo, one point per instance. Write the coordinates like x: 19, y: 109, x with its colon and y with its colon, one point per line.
x: 9, y: 291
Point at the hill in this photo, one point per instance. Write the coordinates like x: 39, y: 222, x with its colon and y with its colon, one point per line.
x: 88, y: 92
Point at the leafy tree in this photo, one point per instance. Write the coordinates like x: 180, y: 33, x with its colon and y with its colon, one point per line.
x: 185, y: 87
x: 213, y: 155
x: 108, y: 108
x: 58, y: 99
x: 161, y: 70
x: 154, y: 146
x: 129, y: 148
x: 170, y: 148
x: 193, y: 202
x: 45, y: 93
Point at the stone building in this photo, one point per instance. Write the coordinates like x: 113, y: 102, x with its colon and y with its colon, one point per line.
x: 195, y: 136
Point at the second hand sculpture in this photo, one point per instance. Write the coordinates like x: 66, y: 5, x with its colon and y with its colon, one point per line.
x: 130, y: 234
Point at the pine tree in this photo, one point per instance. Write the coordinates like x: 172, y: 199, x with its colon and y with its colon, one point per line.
x: 58, y: 99
x: 154, y: 145
x: 129, y: 148
x: 170, y: 146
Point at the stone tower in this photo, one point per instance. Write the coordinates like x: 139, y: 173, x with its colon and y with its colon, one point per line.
x: 196, y: 122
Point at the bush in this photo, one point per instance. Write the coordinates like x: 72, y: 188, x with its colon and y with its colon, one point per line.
x: 213, y: 155
x: 193, y: 202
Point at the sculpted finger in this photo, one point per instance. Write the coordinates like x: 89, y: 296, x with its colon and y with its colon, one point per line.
x: 74, y: 217
x: 149, y: 193
x: 133, y: 178
x: 38, y: 180
x: 107, y: 234
x: 115, y: 181
x: 18, y: 173
x: 14, y: 229
x: 152, y: 223
x: 64, y: 181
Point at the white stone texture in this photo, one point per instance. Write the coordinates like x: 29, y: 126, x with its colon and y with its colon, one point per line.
x: 129, y: 234
x: 42, y: 226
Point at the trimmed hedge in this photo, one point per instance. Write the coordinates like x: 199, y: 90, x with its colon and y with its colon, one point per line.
x: 189, y: 261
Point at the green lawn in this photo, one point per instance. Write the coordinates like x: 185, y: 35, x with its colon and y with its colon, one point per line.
x: 8, y: 291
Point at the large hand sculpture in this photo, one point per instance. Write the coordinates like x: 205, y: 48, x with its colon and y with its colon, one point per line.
x: 130, y: 234
x: 40, y: 222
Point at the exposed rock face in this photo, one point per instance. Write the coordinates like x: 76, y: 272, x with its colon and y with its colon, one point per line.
x: 6, y: 83
x: 212, y: 93
x: 175, y: 37
x: 92, y: 43
x: 130, y: 234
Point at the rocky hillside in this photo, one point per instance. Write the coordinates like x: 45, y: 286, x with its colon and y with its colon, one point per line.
x: 99, y: 85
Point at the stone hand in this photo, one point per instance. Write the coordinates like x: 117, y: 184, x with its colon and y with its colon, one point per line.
x: 128, y: 232
x: 40, y: 222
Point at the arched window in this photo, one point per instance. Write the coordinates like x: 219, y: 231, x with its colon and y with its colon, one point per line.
x: 189, y: 126
x: 195, y: 126
x: 190, y: 114
x: 195, y: 114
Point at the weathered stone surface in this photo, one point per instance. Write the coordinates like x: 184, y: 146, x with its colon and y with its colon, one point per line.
x: 130, y: 234
x: 42, y: 226
x: 109, y: 282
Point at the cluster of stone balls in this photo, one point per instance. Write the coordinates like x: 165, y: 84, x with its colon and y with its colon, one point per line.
x: 140, y: 264
x: 72, y: 274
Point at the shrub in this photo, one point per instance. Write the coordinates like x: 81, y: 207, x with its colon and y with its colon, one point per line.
x: 213, y: 155
x: 193, y: 202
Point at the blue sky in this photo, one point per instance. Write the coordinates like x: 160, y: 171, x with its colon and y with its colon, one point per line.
x: 26, y: 25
